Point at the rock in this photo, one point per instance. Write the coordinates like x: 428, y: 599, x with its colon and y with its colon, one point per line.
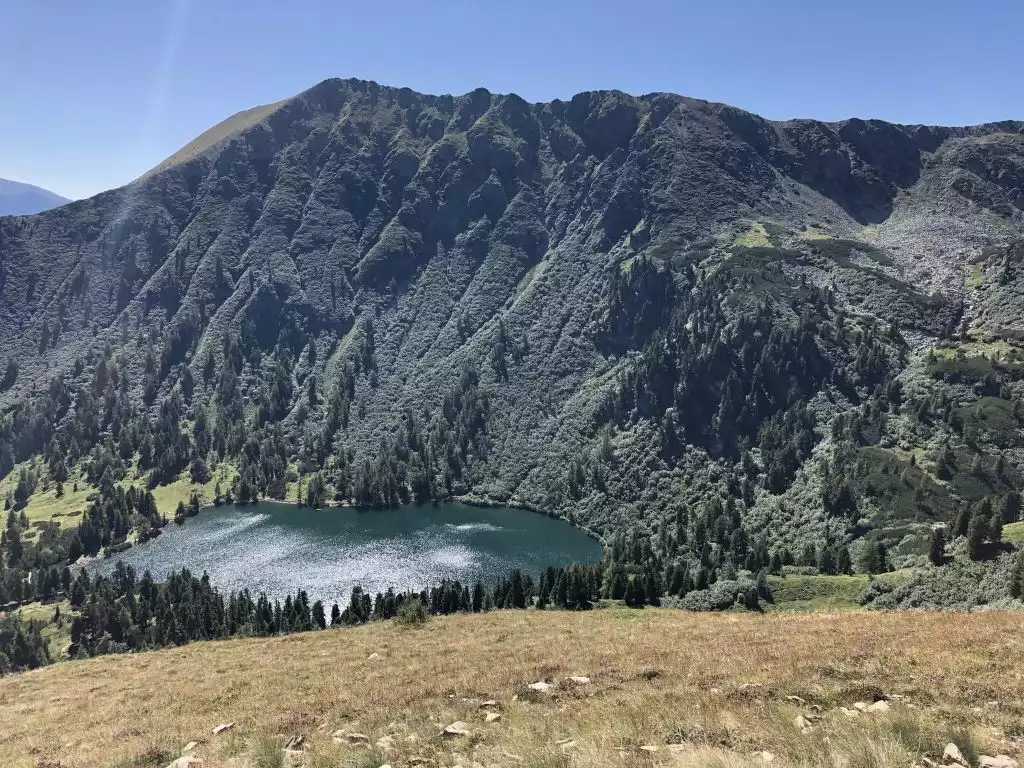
x: 293, y: 758
x: 373, y: 656
x: 295, y: 742
x: 796, y: 700
x: 952, y: 754
x: 223, y: 728
x: 579, y: 680
x: 649, y: 748
x: 458, y: 728
x: 420, y: 761
x: 386, y: 743
x: 999, y: 761
x: 567, y: 746
x: 189, y: 747
x: 764, y: 756
x: 878, y: 706
x: 185, y: 762
x: 350, y: 737
x: 860, y: 706
x: 802, y: 723
x: 488, y: 703
x: 851, y: 713
x: 492, y: 717
x: 540, y: 687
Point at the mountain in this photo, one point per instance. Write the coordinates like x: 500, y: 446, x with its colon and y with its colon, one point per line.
x: 18, y: 199
x: 711, y: 338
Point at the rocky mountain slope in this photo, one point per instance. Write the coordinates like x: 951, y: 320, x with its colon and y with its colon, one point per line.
x: 639, y: 312
x: 18, y: 199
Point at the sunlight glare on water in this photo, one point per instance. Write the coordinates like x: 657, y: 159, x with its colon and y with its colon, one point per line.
x: 278, y: 548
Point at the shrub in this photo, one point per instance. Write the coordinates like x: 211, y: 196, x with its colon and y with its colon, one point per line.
x: 411, y: 613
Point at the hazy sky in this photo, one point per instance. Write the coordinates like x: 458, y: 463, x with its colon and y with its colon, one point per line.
x: 92, y: 94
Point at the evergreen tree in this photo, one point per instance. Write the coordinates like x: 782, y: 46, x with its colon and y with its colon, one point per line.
x: 937, y: 549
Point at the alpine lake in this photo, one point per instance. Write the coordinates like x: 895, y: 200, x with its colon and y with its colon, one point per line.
x: 280, y: 548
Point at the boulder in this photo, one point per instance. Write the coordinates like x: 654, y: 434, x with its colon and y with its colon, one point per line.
x: 999, y: 761
x: 952, y: 754
x: 222, y: 728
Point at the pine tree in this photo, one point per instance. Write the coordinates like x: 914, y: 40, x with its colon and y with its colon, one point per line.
x: 977, y: 532
x: 937, y: 550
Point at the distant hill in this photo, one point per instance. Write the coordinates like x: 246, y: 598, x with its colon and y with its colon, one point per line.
x: 18, y: 199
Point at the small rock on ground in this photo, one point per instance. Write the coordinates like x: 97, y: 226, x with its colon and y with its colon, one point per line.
x: 953, y: 754
x: 223, y: 728
x: 386, y: 743
x: 492, y: 717
x: 579, y: 680
x: 185, y: 762
x: 999, y: 761
x: 373, y: 656
x: 189, y: 747
x: 458, y: 728
x: 487, y: 703
x: 878, y: 706
x: 540, y: 687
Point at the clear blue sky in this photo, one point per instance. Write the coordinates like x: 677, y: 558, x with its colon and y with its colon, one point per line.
x: 95, y: 92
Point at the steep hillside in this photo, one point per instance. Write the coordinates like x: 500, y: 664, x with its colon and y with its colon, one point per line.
x: 654, y: 688
x: 736, y: 337
x: 18, y: 199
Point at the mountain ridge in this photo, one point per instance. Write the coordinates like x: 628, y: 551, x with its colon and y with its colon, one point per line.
x: 20, y: 199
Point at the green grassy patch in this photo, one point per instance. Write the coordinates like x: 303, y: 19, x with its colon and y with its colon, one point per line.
x: 1014, y: 532
x: 816, y: 593
x: 181, y: 490
x: 753, y: 236
x: 57, y: 635
x: 974, y: 278
x: 44, y: 505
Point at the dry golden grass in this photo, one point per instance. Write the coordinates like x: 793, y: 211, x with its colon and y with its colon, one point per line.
x: 221, y: 132
x: 659, y: 678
